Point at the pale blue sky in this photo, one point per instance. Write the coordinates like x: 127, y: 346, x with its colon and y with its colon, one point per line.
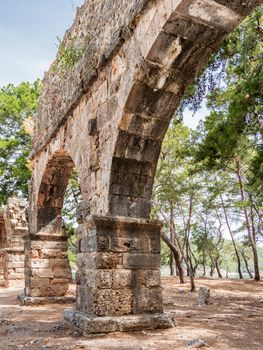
x: 28, y: 36
x: 28, y: 39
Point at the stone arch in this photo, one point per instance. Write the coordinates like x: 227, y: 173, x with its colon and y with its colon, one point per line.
x: 53, y: 187
x: 48, y: 272
x: 111, y: 111
x: 182, y: 36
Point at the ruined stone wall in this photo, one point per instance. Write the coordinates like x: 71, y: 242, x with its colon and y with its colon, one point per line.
x: 2, y: 245
x: 2, y: 230
x: 117, y: 123
x: 98, y: 42
x: 118, y: 267
x: 14, y: 228
x: 46, y: 261
x: 107, y: 116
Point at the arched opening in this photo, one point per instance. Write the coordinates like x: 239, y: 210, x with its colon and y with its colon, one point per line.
x: 182, y: 48
x: 53, y: 188
x: 49, y: 269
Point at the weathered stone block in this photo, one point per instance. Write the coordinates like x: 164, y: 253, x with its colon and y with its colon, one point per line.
x: 34, y: 254
x: 147, y: 300
x: 56, y: 245
x: 90, y: 324
x: 122, y: 279
x: 48, y: 291
x: 141, y: 261
x: 39, y: 282
x: 49, y: 273
x: 120, y: 244
x: 61, y: 273
x: 58, y: 263
x: 147, y: 278
x: 15, y: 264
x: 35, y: 245
x: 112, y: 302
x: 59, y: 281
x: 83, y: 211
x: 53, y: 253
x: 108, y: 260
x: 39, y: 263
x: 94, y: 278
x: 94, y: 243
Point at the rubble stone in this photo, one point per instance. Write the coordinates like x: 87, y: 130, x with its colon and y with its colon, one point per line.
x: 13, y: 228
x: 204, y: 296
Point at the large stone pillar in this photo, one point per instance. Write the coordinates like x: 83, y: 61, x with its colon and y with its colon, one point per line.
x: 118, y: 278
x: 13, y: 228
x: 47, y: 270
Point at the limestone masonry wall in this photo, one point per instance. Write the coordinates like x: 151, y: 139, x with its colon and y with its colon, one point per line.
x: 99, y: 28
x: 13, y: 228
x: 106, y: 114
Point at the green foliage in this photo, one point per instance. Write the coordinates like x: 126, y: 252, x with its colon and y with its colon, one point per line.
x: 68, y: 56
x: 235, y: 123
x: 18, y: 106
x: 72, y: 198
x: 215, y: 174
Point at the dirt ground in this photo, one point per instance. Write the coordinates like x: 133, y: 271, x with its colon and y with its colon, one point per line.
x: 234, y: 320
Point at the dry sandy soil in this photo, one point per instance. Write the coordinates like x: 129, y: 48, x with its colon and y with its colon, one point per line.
x: 234, y: 320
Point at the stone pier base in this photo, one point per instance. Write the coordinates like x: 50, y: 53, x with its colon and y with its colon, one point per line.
x: 118, y: 277
x: 47, y: 270
x: 27, y: 300
x: 125, y: 323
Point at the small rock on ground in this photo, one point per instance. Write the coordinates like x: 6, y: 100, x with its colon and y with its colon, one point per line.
x: 204, y: 295
x: 180, y: 290
x: 197, y: 344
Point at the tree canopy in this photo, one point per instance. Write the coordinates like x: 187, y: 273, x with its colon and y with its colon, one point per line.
x: 18, y: 107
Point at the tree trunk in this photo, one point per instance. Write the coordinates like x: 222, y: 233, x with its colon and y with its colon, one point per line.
x: 171, y: 264
x: 188, y: 260
x: 176, y: 255
x: 251, y: 234
x: 171, y: 260
x: 218, y: 270
x: 212, y: 269
x: 246, y: 264
x: 232, y: 238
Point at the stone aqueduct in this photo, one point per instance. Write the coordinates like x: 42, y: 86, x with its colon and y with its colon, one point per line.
x: 107, y: 116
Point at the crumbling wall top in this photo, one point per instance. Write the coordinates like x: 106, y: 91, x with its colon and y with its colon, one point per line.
x: 99, y: 29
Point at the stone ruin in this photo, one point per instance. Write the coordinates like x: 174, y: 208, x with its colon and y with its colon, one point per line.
x: 106, y: 115
x: 204, y: 296
x: 13, y: 229
x: 47, y: 265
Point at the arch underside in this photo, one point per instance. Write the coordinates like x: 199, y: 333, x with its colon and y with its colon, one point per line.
x: 53, y: 187
x: 48, y: 271
x: 192, y: 33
